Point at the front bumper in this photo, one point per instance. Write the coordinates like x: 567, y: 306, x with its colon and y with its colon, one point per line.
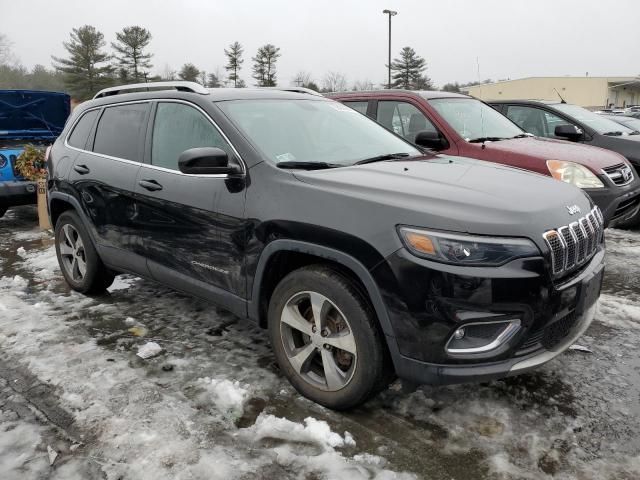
x: 617, y: 204
x: 14, y: 193
x: 553, y: 317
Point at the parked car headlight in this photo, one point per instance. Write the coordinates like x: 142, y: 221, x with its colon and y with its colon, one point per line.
x: 573, y: 173
x: 461, y: 249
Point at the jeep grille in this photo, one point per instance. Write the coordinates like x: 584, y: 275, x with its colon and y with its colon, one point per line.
x: 574, y: 244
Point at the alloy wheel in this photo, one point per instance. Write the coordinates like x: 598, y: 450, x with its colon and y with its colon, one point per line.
x: 318, y: 341
x: 72, y: 253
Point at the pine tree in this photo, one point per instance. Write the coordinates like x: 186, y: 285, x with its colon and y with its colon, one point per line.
x: 264, y: 65
x: 189, y: 73
x: 130, y: 52
x: 86, y: 70
x: 408, y: 70
x: 213, y: 82
x: 234, y: 64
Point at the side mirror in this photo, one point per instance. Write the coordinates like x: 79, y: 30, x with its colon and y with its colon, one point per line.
x: 431, y: 140
x: 570, y: 132
x: 205, y: 161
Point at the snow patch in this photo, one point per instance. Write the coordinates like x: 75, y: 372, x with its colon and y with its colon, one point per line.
x: 43, y: 263
x: 122, y: 283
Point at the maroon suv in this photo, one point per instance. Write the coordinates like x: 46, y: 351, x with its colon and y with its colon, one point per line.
x: 461, y: 125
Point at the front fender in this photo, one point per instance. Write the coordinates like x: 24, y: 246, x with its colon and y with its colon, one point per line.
x: 328, y: 253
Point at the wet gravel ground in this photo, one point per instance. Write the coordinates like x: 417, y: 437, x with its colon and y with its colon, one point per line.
x: 213, y: 404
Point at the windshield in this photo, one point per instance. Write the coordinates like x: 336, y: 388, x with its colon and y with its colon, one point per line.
x: 474, y: 120
x: 598, y: 123
x: 312, y: 131
x: 630, y: 122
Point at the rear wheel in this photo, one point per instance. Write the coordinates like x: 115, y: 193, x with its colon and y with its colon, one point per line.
x: 326, y: 338
x: 3, y: 210
x: 80, y: 264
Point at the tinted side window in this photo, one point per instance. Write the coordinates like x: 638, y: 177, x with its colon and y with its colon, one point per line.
x: 404, y: 119
x: 358, y: 106
x: 179, y: 127
x: 120, y: 130
x: 81, y: 131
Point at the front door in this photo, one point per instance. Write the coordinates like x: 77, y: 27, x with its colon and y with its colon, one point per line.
x: 178, y: 214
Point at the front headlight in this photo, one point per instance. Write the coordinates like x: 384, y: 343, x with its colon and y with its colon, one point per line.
x: 460, y: 249
x: 573, y: 173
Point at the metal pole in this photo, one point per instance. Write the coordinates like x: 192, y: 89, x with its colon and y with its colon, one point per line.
x: 391, y: 13
x: 389, y: 64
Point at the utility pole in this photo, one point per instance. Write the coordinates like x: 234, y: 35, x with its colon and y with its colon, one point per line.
x: 391, y: 13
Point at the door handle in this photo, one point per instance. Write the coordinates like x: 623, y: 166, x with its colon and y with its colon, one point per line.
x: 81, y: 169
x: 150, y: 185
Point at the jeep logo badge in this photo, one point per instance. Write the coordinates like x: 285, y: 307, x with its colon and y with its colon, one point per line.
x: 573, y: 209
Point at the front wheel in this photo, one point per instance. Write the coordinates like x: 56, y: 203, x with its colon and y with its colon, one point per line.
x: 80, y: 264
x: 326, y: 339
x: 3, y: 210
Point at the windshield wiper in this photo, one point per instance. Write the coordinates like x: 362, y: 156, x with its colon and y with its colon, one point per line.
x: 381, y: 158
x: 613, y: 134
x: 635, y: 132
x: 522, y: 135
x: 486, y: 139
x: 307, y: 165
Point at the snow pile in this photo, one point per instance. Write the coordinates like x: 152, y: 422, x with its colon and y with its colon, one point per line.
x: 148, y: 350
x: 311, y: 448
x: 228, y: 396
x: 313, y: 431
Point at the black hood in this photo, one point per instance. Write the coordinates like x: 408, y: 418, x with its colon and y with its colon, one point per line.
x: 627, y: 145
x: 454, y: 193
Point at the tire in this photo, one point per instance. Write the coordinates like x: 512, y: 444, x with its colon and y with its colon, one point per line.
x: 79, y: 262
x: 338, y: 378
x: 3, y: 210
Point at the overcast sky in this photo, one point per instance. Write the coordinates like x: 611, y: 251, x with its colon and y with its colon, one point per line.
x: 510, y: 38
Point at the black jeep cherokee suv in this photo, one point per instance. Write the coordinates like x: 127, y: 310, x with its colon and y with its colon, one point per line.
x: 362, y: 255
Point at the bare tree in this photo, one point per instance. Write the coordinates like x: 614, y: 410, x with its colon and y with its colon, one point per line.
x: 363, y: 85
x: 168, y: 73
x: 334, y: 82
x: 302, y: 79
x: 6, y: 56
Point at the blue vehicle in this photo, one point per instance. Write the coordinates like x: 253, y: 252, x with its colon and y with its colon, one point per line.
x: 26, y: 117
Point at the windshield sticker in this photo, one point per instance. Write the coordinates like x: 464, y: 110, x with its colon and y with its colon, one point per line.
x: 286, y: 157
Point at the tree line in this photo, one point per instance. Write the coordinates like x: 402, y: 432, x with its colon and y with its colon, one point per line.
x: 88, y: 67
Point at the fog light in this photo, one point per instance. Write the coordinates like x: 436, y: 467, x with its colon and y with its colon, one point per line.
x: 482, y: 337
x: 459, y: 334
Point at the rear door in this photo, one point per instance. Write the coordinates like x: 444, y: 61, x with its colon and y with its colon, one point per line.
x: 178, y: 213
x: 104, y: 174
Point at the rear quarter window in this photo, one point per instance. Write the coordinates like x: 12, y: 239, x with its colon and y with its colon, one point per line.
x: 82, y: 129
x: 120, y: 131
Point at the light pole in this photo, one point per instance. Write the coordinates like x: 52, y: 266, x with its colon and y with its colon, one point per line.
x: 391, y: 13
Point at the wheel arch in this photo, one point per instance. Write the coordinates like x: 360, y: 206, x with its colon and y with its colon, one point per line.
x: 60, y: 202
x: 299, y: 253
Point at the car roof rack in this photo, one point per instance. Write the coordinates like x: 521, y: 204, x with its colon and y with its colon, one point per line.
x: 181, y: 86
x: 296, y: 90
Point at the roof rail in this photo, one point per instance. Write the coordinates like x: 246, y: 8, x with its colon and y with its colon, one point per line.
x: 175, y: 85
x: 296, y: 90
